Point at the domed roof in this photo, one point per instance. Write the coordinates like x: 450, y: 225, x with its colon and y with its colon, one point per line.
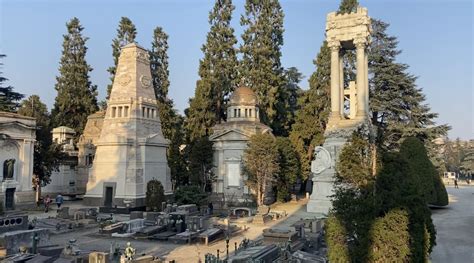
x: 243, y: 96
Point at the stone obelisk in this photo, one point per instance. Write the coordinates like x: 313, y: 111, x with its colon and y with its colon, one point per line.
x: 349, y: 104
x: 131, y: 149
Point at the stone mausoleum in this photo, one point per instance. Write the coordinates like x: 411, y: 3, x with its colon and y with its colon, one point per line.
x: 229, y: 142
x: 131, y: 149
x: 17, y: 138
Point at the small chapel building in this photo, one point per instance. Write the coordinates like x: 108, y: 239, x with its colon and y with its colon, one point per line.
x: 229, y: 143
x: 17, y: 140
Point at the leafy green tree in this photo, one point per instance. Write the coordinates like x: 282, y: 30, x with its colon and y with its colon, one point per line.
x: 199, y: 157
x: 8, y: 98
x: 289, y: 170
x: 467, y: 160
x: 260, y: 66
x: 47, y: 155
x: 76, y: 98
x: 261, y: 164
x: 126, y: 33
x: 155, y: 195
x: 216, y: 71
x: 313, y: 111
x: 390, y: 238
x: 190, y: 194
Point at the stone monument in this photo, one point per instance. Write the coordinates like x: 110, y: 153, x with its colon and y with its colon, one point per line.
x: 349, y: 105
x: 131, y: 149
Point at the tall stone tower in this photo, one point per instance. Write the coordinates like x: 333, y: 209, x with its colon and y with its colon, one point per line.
x: 349, y: 103
x: 131, y: 149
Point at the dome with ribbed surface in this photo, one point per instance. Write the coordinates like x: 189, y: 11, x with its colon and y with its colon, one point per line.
x: 243, y: 96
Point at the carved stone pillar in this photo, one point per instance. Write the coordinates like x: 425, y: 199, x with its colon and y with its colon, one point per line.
x: 366, y: 78
x: 335, y: 89
x: 341, y: 83
x: 361, y: 82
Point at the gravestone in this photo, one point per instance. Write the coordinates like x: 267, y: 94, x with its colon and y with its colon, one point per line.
x: 98, y: 257
x: 136, y: 215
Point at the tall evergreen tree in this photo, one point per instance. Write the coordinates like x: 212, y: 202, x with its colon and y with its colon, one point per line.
x: 311, y: 117
x: 348, y: 6
x: 289, y: 170
x: 126, y: 33
x: 260, y: 67
x: 216, y: 71
x: 159, y: 63
x: 76, y: 97
x: 397, y: 104
x: 8, y: 98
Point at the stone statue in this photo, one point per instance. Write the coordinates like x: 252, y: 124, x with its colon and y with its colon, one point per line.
x: 322, y: 160
x: 8, y: 166
x: 129, y: 252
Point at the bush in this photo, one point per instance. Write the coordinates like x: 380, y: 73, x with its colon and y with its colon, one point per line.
x: 155, y: 195
x: 390, y: 238
x: 336, y: 240
x: 190, y: 194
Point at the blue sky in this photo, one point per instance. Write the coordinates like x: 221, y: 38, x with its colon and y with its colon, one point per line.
x: 436, y: 37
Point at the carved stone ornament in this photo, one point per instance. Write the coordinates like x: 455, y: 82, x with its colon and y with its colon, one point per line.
x: 322, y: 160
x: 145, y: 81
x: 124, y: 79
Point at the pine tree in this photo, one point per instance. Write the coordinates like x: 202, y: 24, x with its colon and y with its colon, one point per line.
x: 216, y: 71
x: 260, y: 67
x: 397, y: 104
x: 126, y: 33
x: 47, y: 155
x: 8, y: 98
x: 76, y: 97
x: 199, y: 157
x: 313, y: 111
x: 292, y: 93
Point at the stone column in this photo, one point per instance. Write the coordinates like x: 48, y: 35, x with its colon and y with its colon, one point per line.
x: 361, y: 82
x: 341, y: 83
x: 366, y: 81
x: 335, y: 89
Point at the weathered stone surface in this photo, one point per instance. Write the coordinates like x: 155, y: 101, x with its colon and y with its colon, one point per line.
x: 13, y: 240
x: 131, y: 149
x: 16, y: 159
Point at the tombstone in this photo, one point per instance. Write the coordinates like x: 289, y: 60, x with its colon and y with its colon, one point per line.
x: 98, y: 257
x: 305, y: 257
x: 79, y: 215
x: 13, y: 240
x: 262, y: 215
x: 266, y: 253
x: 136, y: 215
x: 12, y: 223
x: 279, y: 235
x: 63, y: 212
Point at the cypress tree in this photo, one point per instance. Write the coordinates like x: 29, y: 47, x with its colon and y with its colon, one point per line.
x: 126, y: 33
x: 171, y: 121
x: 216, y: 71
x: 313, y: 111
x: 76, y: 97
x: 8, y: 98
x: 260, y: 67
x: 159, y: 63
x: 348, y: 6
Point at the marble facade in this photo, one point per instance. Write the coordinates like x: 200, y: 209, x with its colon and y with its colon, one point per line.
x: 17, y: 138
x: 131, y: 149
x: 229, y: 142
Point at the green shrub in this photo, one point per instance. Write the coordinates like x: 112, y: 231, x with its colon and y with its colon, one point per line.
x: 336, y: 240
x: 190, y: 194
x: 390, y: 238
x: 155, y: 195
